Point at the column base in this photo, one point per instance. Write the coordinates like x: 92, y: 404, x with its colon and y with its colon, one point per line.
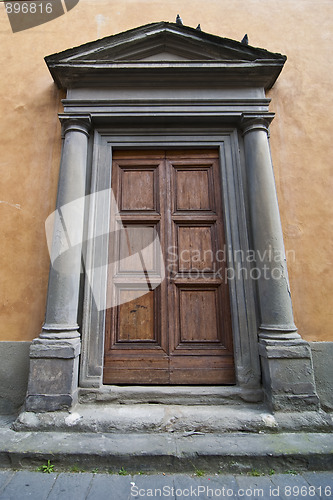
x: 53, y: 377
x: 288, y: 377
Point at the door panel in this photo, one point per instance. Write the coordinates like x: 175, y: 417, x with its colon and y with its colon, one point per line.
x: 138, y: 189
x: 136, y: 344
x: 136, y: 244
x: 198, y: 316
x: 192, y: 189
x: 199, y: 334
x: 136, y: 317
x: 180, y: 331
x: 195, y: 244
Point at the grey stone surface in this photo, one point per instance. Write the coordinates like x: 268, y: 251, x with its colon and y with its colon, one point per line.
x: 171, y: 395
x: 63, y: 349
x: 295, y: 483
x: 285, y: 349
x: 5, y: 477
x: 109, y: 486
x: 205, y: 487
x: 147, y: 486
x: 64, y: 279
x: 50, y: 402
x: 288, y: 376
x: 276, y: 314
x: 53, y: 375
x: 71, y: 485
x: 148, y: 419
x: 85, y: 486
x: 258, y: 487
x: 28, y: 485
x: 322, y: 356
x: 320, y: 479
x: 158, y: 418
x: 167, y: 452
x: 50, y: 372
x: 106, y: 97
x: 14, y: 371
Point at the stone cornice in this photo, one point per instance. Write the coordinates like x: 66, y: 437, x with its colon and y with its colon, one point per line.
x: 188, y: 74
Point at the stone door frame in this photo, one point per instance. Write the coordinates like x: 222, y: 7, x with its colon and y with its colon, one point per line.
x: 241, y: 290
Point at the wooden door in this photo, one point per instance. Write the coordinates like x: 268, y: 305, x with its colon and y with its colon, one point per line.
x: 177, y: 331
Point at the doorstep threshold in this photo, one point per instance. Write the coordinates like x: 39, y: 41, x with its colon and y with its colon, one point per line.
x: 187, y: 420
x: 175, y: 395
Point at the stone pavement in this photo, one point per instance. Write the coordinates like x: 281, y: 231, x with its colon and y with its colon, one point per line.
x: 24, y: 484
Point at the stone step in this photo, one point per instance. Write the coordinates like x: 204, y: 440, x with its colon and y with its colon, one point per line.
x: 181, y: 395
x: 163, y: 418
x: 167, y: 452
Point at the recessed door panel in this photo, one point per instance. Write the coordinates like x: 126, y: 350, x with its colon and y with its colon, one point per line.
x: 195, y: 248
x: 192, y: 189
x: 199, y: 322
x: 136, y: 317
x: 137, y: 248
x: 138, y: 189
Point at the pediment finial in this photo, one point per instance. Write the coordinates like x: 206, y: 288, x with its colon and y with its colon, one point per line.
x: 245, y: 40
x: 179, y: 20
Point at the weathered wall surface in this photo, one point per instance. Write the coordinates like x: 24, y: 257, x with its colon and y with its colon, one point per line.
x: 300, y: 139
x: 322, y: 355
x: 14, y: 370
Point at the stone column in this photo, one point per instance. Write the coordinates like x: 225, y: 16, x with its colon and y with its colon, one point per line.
x: 286, y: 361
x: 53, y: 378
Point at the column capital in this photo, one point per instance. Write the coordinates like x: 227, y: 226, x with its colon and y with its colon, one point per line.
x: 256, y: 121
x: 77, y: 123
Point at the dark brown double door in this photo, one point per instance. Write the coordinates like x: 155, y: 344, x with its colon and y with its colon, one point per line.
x: 176, y: 328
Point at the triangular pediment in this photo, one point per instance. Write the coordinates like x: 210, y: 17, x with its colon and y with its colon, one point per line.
x: 155, y: 44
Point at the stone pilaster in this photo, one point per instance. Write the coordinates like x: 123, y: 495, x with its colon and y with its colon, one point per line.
x: 287, y: 369
x: 53, y: 378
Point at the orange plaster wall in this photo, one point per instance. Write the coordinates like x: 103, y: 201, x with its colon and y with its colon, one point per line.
x: 300, y: 139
